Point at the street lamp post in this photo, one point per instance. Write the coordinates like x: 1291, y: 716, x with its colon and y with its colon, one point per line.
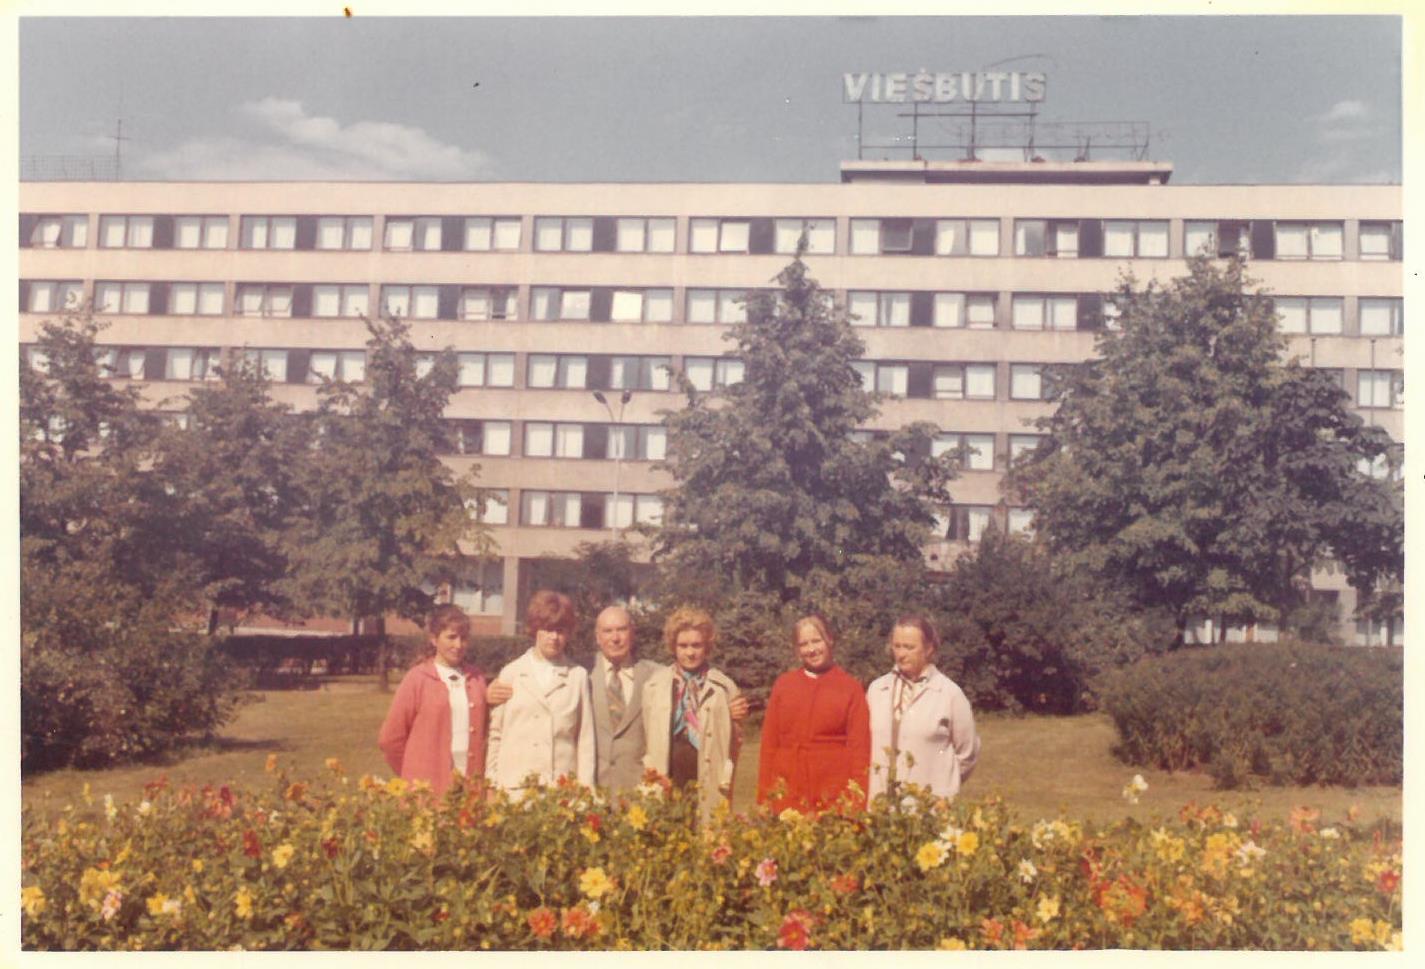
x: 617, y: 421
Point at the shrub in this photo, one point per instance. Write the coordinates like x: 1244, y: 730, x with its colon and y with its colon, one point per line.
x: 339, y: 863
x: 1286, y: 713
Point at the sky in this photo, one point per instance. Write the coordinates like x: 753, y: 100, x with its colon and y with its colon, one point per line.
x: 1226, y: 99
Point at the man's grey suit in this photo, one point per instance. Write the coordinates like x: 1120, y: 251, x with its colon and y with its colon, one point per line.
x: 619, y: 746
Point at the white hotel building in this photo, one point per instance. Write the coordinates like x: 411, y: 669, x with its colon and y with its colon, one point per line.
x: 967, y: 278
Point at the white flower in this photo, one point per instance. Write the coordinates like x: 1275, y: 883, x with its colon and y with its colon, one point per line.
x: 110, y: 811
x: 649, y: 790
x: 1027, y: 871
x: 910, y: 805
x: 594, y: 907
x: 1139, y: 784
x: 1330, y: 834
x: 1247, y: 852
x: 950, y: 833
x: 1229, y: 820
x: 145, y: 807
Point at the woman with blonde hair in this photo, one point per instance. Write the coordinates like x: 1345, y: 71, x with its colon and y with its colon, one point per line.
x: 816, y: 737
x: 691, y: 736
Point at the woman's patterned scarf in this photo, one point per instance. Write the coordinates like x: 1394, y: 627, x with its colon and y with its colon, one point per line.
x: 685, y: 709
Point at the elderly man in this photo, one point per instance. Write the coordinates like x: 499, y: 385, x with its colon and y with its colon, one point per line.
x: 617, y: 680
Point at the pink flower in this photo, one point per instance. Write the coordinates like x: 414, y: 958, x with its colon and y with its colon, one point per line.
x: 766, y: 872
x: 112, y: 901
x: 721, y: 853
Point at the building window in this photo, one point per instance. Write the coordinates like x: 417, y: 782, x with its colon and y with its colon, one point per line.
x: 492, y: 233
x: 564, y: 371
x: 1380, y: 240
x: 125, y: 298
x: 268, y: 232
x: 189, y: 363
x: 1380, y: 388
x: 485, y: 369
x: 341, y: 300
x: 871, y: 237
x: 488, y: 438
x: 1320, y: 315
x: 352, y: 232
x: 719, y: 235
x: 1026, y: 381
x: 963, y: 523
x: 256, y: 299
x: 644, y: 235
x: 47, y: 296
x: 551, y: 509
x: 963, y: 381
x: 554, y: 303
x: 1022, y: 444
x: 709, y: 373
x: 1021, y: 521
x: 1375, y: 632
x: 1385, y: 466
x: 1045, y: 312
x: 545, y: 439
x: 482, y: 592
x: 1219, y: 238
x: 487, y: 303
x: 345, y: 365
x: 879, y: 309
x: 492, y: 506
x: 200, y: 232
x: 1383, y: 316
x: 270, y: 363
x: 978, y: 453
x: 717, y: 306
x: 411, y: 302
x: 58, y: 232
x: 820, y: 233
x: 1135, y: 239
x: 1057, y: 238
x: 195, y: 299
x: 890, y: 379
x: 637, y: 442
x: 975, y: 311
x: 558, y: 234
x: 641, y: 306
x: 967, y: 237
x: 1308, y: 240
x: 123, y: 363
x: 639, y: 373
x: 412, y: 234
x: 126, y: 232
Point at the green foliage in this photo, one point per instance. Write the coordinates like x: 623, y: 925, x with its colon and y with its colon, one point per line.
x: 770, y: 485
x: 307, y: 863
x: 1189, y: 466
x: 599, y: 574
x: 1020, y: 635
x: 1285, y: 713
x: 379, y: 515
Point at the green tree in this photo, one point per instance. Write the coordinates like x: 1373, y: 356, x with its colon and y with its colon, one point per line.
x: 772, y: 484
x: 1190, y: 465
x: 379, y: 514
x: 236, y: 464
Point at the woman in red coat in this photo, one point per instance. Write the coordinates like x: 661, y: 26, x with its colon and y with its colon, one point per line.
x: 816, y: 738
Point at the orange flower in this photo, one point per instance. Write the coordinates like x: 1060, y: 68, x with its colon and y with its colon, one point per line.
x: 845, y: 884
x: 1023, y: 935
x: 577, y: 923
x: 795, y: 932
x: 992, y: 930
x: 1388, y: 882
x: 1303, y: 819
x: 542, y: 922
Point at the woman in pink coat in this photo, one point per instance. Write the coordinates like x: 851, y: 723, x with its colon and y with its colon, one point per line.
x: 437, y: 723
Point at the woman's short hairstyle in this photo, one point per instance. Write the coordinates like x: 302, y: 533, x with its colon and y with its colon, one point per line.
x: 551, y: 611
x: 448, y: 617
x: 822, y: 626
x: 917, y: 621
x: 685, y: 618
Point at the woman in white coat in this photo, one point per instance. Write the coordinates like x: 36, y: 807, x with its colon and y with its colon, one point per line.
x: 546, y: 728
x: 687, y: 717
x: 922, y: 730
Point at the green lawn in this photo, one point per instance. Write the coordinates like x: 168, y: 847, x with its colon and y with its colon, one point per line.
x: 1040, y: 765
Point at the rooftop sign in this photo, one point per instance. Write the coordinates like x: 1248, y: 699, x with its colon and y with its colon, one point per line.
x: 943, y: 87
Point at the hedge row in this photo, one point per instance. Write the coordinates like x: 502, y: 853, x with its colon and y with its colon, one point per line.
x: 1285, y: 713
x: 341, y: 863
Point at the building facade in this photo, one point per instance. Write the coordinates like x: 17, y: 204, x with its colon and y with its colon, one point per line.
x: 966, y: 279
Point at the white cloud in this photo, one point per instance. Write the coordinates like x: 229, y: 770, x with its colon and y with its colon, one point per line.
x: 1344, y: 111
x: 284, y: 142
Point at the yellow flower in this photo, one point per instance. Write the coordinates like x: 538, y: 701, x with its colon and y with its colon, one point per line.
x: 32, y: 898
x: 334, y: 765
x: 198, y: 866
x: 1383, y: 934
x: 271, y: 763
x: 951, y: 944
x: 161, y: 904
x: 423, y: 840
x: 590, y: 834
x: 242, y: 903
x: 977, y: 820
x: 594, y: 883
x: 1362, y: 931
x: 110, y: 811
x: 493, y: 819
x: 1396, y: 943
x: 1048, y: 908
x: 88, y: 798
x: 930, y: 855
x: 637, y: 818
x: 94, y: 884
x: 281, y: 855
x: 790, y: 816
x: 968, y: 843
x: 396, y: 786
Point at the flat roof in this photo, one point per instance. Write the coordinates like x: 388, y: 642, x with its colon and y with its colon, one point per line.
x: 1007, y: 172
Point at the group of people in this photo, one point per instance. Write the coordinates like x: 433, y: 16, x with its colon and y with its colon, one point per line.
x: 824, y: 741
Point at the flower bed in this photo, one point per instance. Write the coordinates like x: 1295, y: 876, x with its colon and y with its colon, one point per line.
x: 342, y: 863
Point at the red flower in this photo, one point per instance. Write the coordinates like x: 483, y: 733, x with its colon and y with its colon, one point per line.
x: 721, y: 853
x: 845, y: 884
x: 441, y: 915
x: 153, y: 787
x: 542, y: 922
x: 331, y: 847
x: 593, y: 821
x: 251, y: 846
x: 578, y: 923
x: 795, y: 932
x: 1388, y: 882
